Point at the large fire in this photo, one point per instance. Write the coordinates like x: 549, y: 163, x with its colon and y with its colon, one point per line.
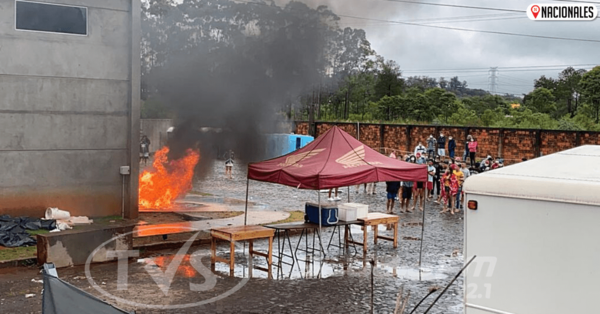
x: 167, y: 180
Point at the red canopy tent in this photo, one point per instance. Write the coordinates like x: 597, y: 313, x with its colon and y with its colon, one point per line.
x: 333, y: 160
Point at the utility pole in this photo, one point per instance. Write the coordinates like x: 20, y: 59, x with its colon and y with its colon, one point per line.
x: 493, y: 72
x: 311, y: 115
x: 347, y: 106
x: 319, y: 103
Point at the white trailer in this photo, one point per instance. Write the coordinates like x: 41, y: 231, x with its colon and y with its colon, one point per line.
x: 536, y: 234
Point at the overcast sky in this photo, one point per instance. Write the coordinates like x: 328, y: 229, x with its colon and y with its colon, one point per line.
x: 426, y: 51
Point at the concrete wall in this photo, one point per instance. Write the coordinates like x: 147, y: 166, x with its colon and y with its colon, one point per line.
x: 69, y: 110
x: 510, y: 144
x: 156, y: 130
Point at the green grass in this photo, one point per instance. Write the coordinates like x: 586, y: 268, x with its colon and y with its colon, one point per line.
x: 39, y: 231
x: 295, y: 216
x: 9, y: 254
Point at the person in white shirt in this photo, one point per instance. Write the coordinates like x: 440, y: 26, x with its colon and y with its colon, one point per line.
x: 430, y: 174
x: 420, y: 149
x: 460, y: 200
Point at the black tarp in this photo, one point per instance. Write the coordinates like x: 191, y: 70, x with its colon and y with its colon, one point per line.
x: 13, y: 230
x: 60, y: 297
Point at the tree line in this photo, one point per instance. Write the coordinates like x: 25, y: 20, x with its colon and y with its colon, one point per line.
x: 380, y: 94
x: 353, y: 82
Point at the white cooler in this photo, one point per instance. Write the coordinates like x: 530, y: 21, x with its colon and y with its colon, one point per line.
x: 347, y: 213
x: 362, y: 210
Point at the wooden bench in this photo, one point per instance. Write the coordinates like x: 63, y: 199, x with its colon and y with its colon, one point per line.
x: 241, y: 233
x: 375, y: 219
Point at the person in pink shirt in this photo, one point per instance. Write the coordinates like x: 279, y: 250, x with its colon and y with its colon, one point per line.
x: 472, y: 150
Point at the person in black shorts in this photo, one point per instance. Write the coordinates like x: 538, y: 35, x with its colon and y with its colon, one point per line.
x: 419, y: 196
x: 392, y: 188
x: 407, y: 188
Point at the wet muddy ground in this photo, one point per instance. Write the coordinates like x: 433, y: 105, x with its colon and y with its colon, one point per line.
x: 336, y: 283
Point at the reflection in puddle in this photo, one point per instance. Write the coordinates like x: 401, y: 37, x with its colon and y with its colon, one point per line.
x: 163, y: 229
x: 311, y: 267
x: 185, y: 268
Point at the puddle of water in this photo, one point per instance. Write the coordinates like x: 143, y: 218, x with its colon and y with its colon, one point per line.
x: 329, y: 267
x: 413, y: 273
x: 185, y: 268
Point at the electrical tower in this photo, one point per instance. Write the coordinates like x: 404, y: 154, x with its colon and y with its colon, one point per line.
x: 493, y: 72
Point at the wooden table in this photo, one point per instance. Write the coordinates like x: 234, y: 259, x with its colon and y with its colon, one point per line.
x: 241, y: 233
x: 375, y: 219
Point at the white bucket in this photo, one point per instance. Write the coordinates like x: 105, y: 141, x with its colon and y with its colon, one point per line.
x: 55, y: 213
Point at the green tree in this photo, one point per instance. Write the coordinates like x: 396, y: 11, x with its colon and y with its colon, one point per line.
x: 441, y: 102
x: 527, y: 119
x: 389, y: 81
x: 464, y: 116
x: 541, y: 100
x: 387, y: 105
x: 568, y: 85
x: 590, y: 89
x: 491, y: 117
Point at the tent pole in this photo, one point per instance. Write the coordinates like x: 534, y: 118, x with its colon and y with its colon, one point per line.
x: 348, y: 194
x: 246, y: 209
x: 421, y: 249
x: 320, y: 222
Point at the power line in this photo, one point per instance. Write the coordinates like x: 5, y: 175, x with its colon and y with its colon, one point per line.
x: 473, y: 30
x: 505, y: 68
x: 438, y: 22
x: 456, y: 6
x: 576, y: 1
x: 455, y: 28
x: 465, y: 18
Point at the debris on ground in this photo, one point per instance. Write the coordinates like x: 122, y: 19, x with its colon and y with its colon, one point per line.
x: 13, y: 230
x: 30, y: 295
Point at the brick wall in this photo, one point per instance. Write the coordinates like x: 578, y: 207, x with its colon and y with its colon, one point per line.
x: 517, y: 144
x: 510, y: 144
x: 589, y: 138
x: 370, y: 134
x: 552, y: 142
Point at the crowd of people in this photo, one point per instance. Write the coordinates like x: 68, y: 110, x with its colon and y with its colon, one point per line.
x: 444, y: 185
x: 446, y: 175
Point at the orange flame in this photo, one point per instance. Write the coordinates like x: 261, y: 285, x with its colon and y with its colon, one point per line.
x: 167, y: 180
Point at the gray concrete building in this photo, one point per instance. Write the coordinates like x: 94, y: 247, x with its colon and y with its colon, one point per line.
x: 69, y: 106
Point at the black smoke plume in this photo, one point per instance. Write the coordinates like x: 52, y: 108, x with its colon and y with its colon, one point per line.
x: 231, y: 70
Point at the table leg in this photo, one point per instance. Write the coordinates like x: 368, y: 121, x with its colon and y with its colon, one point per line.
x: 346, y: 235
x: 270, y: 261
x: 231, y: 257
x: 365, y: 230
x: 251, y: 256
x: 213, y: 255
x: 396, y: 235
x: 375, y: 233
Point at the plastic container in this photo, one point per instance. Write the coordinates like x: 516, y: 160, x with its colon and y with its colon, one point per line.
x: 362, y: 210
x: 347, y: 213
x: 55, y: 213
x: 329, y: 214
